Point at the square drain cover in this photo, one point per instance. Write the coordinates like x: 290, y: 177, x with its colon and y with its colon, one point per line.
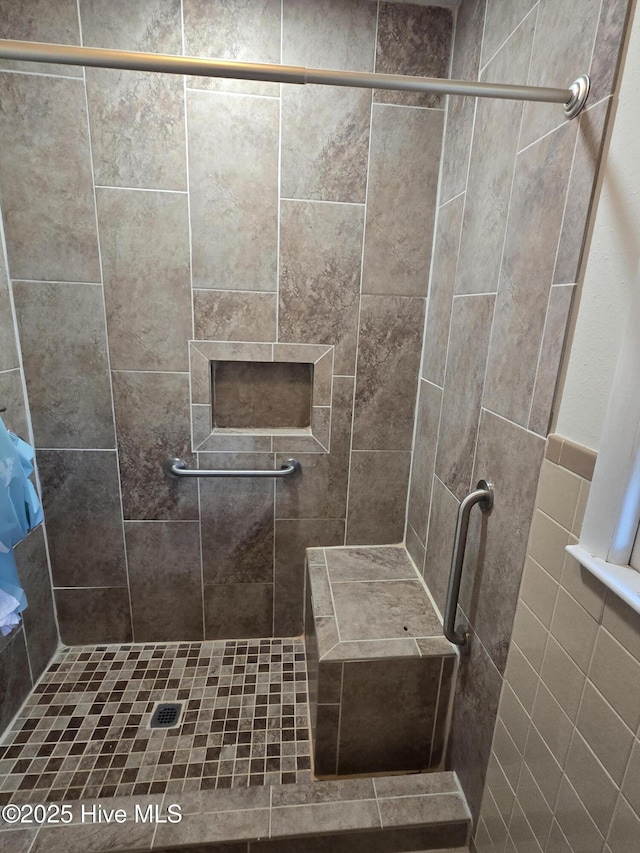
x: 166, y: 715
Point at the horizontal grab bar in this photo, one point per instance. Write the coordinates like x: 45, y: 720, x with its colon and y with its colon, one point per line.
x: 483, y: 495
x: 178, y: 468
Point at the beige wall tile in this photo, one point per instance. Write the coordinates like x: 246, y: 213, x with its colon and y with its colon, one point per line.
x: 552, y: 723
x: 558, y: 493
x: 543, y: 766
x: 605, y: 732
x: 507, y: 754
x: 580, y: 460
x: 575, y: 821
x: 581, y: 508
x: 631, y: 783
x: 592, y: 783
x: 539, y: 591
x: 515, y: 718
x: 563, y: 677
x: 583, y: 586
x: 521, y: 677
x: 616, y: 674
x: 547, y: 543
x: 623, y: 623
x: 574, y: 629
x: 625, y: 828
x: 534, y: 817
x: 530, y: 635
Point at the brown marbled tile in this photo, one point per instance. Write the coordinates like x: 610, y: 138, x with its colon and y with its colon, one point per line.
x: 471, y: 323
x: 12, y: 398
x: 441, y: 286
x: 424, y: 455
x: 241, y: 610
x: 401, y: 200
x: 233, y: 183
x: 325, y: 143
x: 415, y: 548
x: 40, y: 628
x: 398, y: 703
x: 465, y: 64
x: 237, y: 522
x: 581, y: 192
x: 8, y: 351
x: 510, y: 458
x: 46, y: 182
x: 377, y: 497
x: 20, y: 840
x: 608, y: 48
x: 137, y: 119
x: 325, y: 131
x: 368, y: 564
x: 93, y: 615
x: 500, y: 22
x: 228, y: 316
x: 94, y: 837
x: 320, y: 490
x: 164, y: 568
x: 14, y: 676
x: 413, y: 40
x: 475, y: 707
x: 442, y: 523
x: 137, y: 128
x: 540, y: 183
x: 81, y: 500
x: 152, y: 421
x: 136, y: 278
x: 63, y: 335
x: 381, y: 610
x: 389, y: 354
x: 39, y: 20
x: 555, y: 328
x: 320, y: 257
x: 262, y: 395
x: 495, y: 142
x: 237, y: 31
x: 562, y: 50
x: 292, y: 538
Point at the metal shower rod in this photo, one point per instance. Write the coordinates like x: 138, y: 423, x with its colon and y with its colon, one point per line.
x: 573, y: 98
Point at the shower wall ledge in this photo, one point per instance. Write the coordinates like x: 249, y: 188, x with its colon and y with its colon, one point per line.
x: 421, y: 811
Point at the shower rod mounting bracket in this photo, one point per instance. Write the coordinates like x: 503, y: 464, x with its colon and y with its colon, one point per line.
x: 579, y: 93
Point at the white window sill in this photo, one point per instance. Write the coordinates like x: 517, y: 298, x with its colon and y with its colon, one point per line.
x: 623, y: 580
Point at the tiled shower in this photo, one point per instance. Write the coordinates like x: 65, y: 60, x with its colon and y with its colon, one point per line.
x: 421, y: 252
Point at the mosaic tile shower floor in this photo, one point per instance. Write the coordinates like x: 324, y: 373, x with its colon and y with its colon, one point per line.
x: 84, y: 732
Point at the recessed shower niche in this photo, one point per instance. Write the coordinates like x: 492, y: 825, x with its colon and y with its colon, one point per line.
x: 260, y: 397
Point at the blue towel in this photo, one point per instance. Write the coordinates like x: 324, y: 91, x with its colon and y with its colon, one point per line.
x: 20, y: 512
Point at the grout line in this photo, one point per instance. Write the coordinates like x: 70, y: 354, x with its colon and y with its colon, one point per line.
x: 454, y: 197
x: 340, y: 706
x: 163, y: 372
x: 465, y: 295
x: 39, y: 73
x: 436, y: 708
x: 36, y: 281
x: 239, y: 290
x: 141, y: 189
x: 323, y: 201
x: 513, y: 423
x: 229, y: 94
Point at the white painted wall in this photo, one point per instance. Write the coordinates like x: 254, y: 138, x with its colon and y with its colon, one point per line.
x: 611, y: 273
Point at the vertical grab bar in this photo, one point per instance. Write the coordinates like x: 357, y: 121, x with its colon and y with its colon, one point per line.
x: 482, y: 495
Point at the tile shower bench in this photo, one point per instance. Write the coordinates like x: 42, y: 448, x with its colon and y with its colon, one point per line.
x: 381, y: 673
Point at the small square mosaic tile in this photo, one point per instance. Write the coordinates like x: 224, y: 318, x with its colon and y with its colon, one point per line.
x: 84, y: 731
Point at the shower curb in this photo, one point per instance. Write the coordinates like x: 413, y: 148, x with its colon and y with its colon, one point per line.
x: 421, y: 811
